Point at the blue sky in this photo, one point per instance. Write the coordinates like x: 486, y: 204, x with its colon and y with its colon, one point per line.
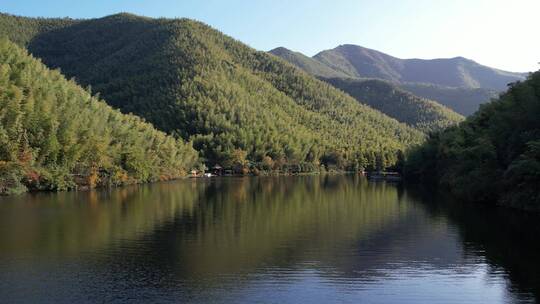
x: 501, y: 34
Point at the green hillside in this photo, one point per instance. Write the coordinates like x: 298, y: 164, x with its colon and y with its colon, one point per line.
x: 54, y: 135
x: 463, y: 100
x: 494, y: 156
x: 422, y: 114
x: 306, y: 63
x: 238, y: 105
x: 21, y: 29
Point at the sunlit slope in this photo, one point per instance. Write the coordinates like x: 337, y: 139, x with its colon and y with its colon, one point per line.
x: 423, y: 114
x: 54, y: 135
x: 22, y: 30
x: 191, y: 80
x: 306, y: 63
x: 420, y: 113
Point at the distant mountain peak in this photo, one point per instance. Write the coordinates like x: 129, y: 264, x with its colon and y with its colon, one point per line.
x: 463, y: 96
x: 124, y: 17
x: 279, y: 49
x: 360, y: 62
x: 306, y: 63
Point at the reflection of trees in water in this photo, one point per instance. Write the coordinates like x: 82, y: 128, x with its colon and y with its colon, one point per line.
x: 203, y: 229
x: 280, y: 226
x: 74, y: 222
x: 508, y: 239
x: 243, y: 224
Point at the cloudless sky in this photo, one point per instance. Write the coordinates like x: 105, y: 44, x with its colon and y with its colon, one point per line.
x: 498, y: 33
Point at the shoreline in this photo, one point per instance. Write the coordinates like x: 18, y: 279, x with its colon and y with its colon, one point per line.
x: 187, y: 177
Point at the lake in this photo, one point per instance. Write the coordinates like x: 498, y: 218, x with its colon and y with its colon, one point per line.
x: 304, y: 239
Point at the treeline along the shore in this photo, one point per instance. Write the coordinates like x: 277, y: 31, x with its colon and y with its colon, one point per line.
x: 217, y: 101
x: 239, y: 107
x: 494, y: 156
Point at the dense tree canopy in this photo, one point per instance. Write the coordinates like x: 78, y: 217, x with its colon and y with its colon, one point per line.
x: 422, y: 114
x: 464, y: 101
x: 198, y: 84
x: 22, y: 30
x: 494, y: 156
x: 54, y: 135
x: 307, y: 64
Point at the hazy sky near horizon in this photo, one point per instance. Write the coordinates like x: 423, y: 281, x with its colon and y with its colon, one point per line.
x: 497, y: 33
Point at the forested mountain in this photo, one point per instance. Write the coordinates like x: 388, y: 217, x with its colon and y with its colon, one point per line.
x: 306, y: 63
x: 241, y: 107
x: 459, y: 84
x: 494, y: 156
x: 21, y: 29
x: 357, y: 61
x: 422, y: 114
x: 54, y: 135
x: 463, y: 100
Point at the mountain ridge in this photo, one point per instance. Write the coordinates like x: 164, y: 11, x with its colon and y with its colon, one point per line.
x: 358, y: 61
x: 306, y: 63
x: 423, y: 114
x: 238, y: 105
x: 462, y: 99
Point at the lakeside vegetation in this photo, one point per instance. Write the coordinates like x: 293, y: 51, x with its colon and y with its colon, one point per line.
x: 224, y: 103
x: 55, y: 136
x: 492, y: 157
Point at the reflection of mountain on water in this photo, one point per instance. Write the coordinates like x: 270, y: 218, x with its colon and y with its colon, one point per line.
x: 341, y: 224
x: 231, y: 233
x: 243, y: 224
x: 74, y: 222
x: 232, y: 215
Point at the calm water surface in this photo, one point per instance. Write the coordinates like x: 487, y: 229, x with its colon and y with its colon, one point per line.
x: 318, y: 239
